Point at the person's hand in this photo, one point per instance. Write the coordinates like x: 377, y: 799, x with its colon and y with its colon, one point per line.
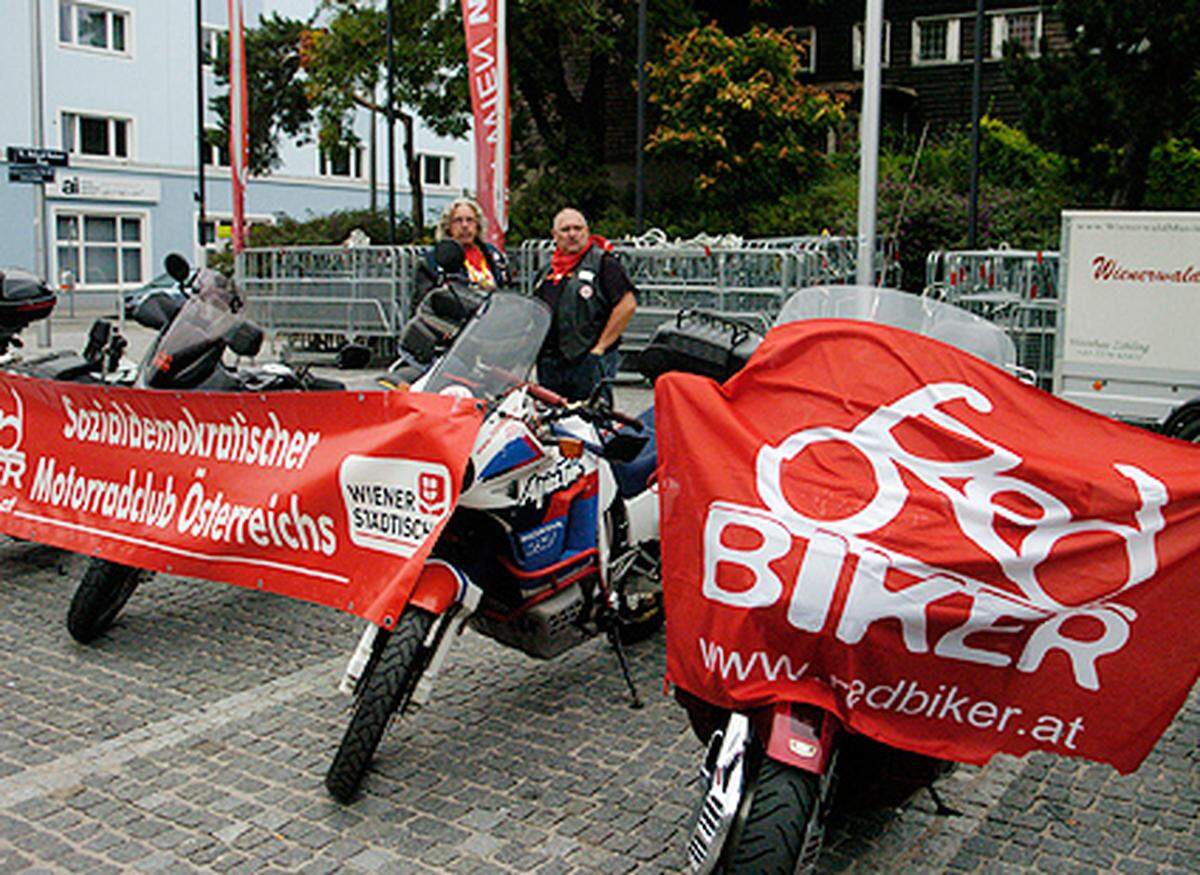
x: 597, y: 351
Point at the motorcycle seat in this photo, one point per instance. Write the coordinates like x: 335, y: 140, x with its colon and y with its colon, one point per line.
x: 634, y: 476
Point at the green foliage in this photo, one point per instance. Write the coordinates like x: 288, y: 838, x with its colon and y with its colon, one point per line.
x: 275, y: 94
x: 1125, y: 85
x: 346, y: 65
x: 330, y: 229
x: 1174, y: 178
x: 735, y: 108
x: 1007, y: 158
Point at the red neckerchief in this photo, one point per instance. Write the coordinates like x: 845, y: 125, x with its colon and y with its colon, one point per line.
x: 562, y: 263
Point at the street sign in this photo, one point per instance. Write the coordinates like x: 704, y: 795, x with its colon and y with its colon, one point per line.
x: 30, y: 173
x: 31, y: 155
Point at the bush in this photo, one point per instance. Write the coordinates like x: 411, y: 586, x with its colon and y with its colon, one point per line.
x: 1174, y: 178
x: 330, y: 230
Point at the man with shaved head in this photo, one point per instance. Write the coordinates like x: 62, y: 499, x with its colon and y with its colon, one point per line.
x: 592, y: 300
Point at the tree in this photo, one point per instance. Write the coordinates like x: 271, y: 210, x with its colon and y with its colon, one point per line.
x: 276, y: 101
x: 1125, y: 85
x: 346, y: 66
x: 736, y: 110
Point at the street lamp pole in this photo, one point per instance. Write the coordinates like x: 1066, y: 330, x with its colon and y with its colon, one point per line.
x: 639, y: 191
x: 42, y: 263
x: 868, y: 168
x: 976, y: 88
x: 391, y: 122
x: 201, y: 139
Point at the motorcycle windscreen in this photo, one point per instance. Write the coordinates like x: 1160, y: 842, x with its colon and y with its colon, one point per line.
x: 194, y: 341
x: 496, y: 350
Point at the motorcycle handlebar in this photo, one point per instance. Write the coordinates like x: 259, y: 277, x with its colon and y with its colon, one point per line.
x: 546, y: 396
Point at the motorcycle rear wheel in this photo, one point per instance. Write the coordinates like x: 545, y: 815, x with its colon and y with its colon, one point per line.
x: 104, y: 590
x: 384, y: 691
x: 780, y: 825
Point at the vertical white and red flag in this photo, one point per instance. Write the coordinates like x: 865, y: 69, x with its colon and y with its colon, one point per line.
x: 487, y: 68
x: 239, y: 122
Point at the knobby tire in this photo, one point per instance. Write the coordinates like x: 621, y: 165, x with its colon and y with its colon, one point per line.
x: 104, y: 590
x: 385, y: 690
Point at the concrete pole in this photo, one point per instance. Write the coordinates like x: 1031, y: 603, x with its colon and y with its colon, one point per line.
x: 868, y: 168
x: 41, y: 262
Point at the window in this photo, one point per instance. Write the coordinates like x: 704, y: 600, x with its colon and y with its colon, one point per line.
x: 217, y: 230
x: 808, y: 37
x: 100, y: 249
x: 347, y: 162
x: 1021, y: 26
x: 85, y: 25
x: 935, y: 40
x: 216, y: 153
x: 859, y: 45
x: 437, y: 170
x: 210, y: 41
x: 98, y: 135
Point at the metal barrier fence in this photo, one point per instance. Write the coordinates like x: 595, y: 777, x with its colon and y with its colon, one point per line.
x: 314, y: 291
x: 1015, y: 288
x: 311, y: 295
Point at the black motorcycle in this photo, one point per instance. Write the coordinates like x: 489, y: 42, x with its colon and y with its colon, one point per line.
x: 194, y: 332
x: 25, y: 299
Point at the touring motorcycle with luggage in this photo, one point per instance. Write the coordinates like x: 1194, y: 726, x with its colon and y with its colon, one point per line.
x: 771, y: 773
x: 194, y: 332
x: 554, y: 539
x: 25, y: 299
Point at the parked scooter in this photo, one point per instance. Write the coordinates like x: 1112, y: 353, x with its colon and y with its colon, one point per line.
x: 771, y: 772
x: 554, y: 539
x: 194, y: 331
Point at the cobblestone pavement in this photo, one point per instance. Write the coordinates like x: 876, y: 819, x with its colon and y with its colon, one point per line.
x: 195, y: 734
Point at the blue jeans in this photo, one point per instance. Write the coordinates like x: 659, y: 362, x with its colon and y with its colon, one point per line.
x: 576, y: 381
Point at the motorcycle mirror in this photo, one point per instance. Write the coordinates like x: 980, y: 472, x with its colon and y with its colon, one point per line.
x: 353, y: 356
x: 624, y: 447
x: 156, y: 310
x: 449, y: 256
x: 244, y: 338
x: 177, y: 267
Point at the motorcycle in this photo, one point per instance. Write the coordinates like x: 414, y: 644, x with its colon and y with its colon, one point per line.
x: 24, y: 299
x: 194, y: 331
x: 554, y: 539
x: 773, y: 774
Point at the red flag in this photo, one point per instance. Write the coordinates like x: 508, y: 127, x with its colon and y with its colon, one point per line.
x: 952, y: 561
x: 331, y: 497
x: 239, y: 122
x: 487, y: 67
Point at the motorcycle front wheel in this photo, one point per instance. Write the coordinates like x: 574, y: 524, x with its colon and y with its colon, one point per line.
x: 384, y: 691
x: 780, y: 831
x: 104, y: 590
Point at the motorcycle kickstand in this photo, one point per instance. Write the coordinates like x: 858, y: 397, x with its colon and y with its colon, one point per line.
x: 943, y: 810
x: 614, y: 638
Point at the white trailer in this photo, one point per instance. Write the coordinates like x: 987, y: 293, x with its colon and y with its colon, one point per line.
x: 1129, y: 309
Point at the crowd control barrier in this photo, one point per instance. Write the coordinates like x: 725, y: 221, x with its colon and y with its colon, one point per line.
x: 318, y: 296
x: 1015, y: 288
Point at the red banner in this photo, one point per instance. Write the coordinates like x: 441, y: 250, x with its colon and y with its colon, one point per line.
x: 331, y: 497
x: 239, y: 122
x: 954, y: 562
x: 487, y: 67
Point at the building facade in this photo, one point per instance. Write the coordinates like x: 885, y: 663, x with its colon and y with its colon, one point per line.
x: 118, y: 93
x: 928, y: 55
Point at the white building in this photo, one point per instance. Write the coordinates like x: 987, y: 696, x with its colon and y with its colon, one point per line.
x: 118, y: 92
